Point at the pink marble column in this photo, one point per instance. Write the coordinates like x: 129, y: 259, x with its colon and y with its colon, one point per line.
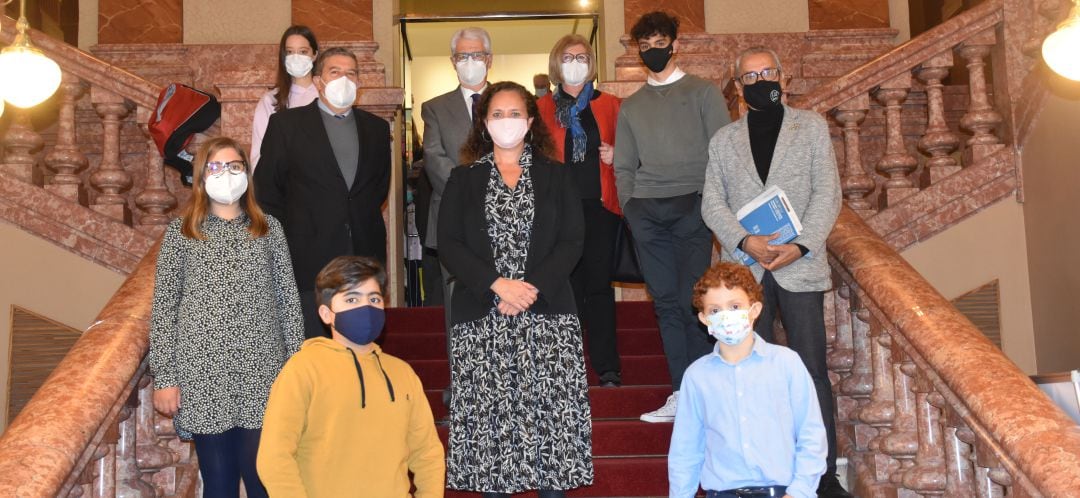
x: 903, y: 443
x: 939, y: 141
x: 65, y: 159
x: 335, y: 19
x: 140, y: 21
x: 897, y: 164
x: 691, y: 13
x: 155, y: 200
x: 958, y: 458
x: 110, y: 179
x: 981, y: 118
x: 848, y: 14
x: 927, y: 477
x: 20, y: 142
x: 856, y: 184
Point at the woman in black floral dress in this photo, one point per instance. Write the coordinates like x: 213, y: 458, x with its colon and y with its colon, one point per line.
x: 226, y: 316
x: 510, y: 232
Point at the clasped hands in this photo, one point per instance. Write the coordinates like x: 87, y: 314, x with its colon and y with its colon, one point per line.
x: 770, y: 257
x: 515, y: 296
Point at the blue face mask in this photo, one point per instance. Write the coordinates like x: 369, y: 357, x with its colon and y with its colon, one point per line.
x: 730, y: 326
x: 360, y: 325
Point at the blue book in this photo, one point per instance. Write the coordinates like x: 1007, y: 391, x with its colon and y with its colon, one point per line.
x: 768, y: 213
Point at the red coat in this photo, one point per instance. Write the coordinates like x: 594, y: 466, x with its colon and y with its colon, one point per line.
x: 605, y: 109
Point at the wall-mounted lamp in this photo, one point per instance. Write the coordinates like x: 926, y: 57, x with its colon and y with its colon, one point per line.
x: 1061, y: 50
x: 27, y: 76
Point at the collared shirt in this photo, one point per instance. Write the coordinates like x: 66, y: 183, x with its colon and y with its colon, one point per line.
x: 327, y: 110
x: 753, y: 423
x: 298, y: 96
x: 675, y: 75
x: 467, y: 95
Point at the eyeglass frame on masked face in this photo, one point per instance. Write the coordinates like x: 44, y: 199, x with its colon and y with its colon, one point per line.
x: 459, y: 57
x: 583, y: 58
x: 760, y: 75
x: 218, y: 168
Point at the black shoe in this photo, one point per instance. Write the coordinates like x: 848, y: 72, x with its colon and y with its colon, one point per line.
x: 610, y: 379
x: 829, y: 487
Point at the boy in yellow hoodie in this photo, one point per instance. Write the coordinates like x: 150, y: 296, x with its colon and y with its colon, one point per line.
x: 345, y: 419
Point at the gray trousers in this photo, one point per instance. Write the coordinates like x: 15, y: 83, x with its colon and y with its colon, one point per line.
x: 674, y: 249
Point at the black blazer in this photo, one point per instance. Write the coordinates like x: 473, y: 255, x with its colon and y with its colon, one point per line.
x: 555, y: 248
x: 298, y: 181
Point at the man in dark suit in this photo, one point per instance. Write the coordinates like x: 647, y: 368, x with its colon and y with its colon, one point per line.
x: 447, y: 121
x: 324, y: 174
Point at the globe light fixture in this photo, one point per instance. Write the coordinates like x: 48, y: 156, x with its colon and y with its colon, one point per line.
x: 1061, y: 50
x: 27, y: 76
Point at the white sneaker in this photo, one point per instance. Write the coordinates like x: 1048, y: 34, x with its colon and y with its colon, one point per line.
x: 665, y: 413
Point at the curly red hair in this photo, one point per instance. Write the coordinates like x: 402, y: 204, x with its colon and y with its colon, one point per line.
x: 730, y: 276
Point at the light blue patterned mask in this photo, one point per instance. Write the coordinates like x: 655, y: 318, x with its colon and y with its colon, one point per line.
x: 730, y: 326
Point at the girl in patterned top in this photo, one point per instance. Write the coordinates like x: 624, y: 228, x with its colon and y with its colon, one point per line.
x: 225, y: 317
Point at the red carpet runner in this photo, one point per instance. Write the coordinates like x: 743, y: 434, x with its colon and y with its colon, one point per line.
x: 629, y: 455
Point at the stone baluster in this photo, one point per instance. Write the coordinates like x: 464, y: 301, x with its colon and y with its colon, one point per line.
x: 155, y: 200
x: 128, y: 475
x: 841, y: 358
x: 958, y: 457
x: 110, y: 179
x: 939, y: 142
x: 984, y: 460
x: 878, y: 413
x: 856, y: 184
x: 65, y: 159
x: 104, y: 485
x: 903, y: 442
x: 20, y: 143
x: 152, y: 457
x: 927, y: 477
x: 897, y: 164
x: 860, y: 384
x: 981, y: 119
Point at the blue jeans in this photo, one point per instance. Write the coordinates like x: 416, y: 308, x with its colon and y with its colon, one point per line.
x: 225, y: 458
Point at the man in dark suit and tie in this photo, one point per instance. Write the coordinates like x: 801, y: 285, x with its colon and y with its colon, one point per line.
x: 324, y: 173
x: 447, y: 121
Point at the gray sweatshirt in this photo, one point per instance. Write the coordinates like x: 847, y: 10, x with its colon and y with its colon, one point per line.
x: 662, y: 139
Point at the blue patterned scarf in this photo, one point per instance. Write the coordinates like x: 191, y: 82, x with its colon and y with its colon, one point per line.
x: 566, y: 112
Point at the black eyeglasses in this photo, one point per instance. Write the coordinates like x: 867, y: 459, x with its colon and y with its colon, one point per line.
x: 582, y: 58
x: 218, y: 168
x: 767, y: 74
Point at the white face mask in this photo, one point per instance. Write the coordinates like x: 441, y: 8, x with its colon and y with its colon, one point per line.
x: 730, y: 326
x: 471, y: 72
x: 508, y: 132
x: 574, y: 72
x: 340, y: 93
x: 298, y: 65
x: 226, y: 188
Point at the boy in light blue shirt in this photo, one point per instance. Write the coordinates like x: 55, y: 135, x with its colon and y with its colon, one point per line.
x: 748, y: 421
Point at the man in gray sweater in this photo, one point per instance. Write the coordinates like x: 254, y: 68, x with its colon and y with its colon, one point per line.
x: 661, y: 151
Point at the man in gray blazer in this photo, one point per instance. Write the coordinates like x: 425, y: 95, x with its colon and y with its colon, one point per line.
x: 447, y: 120
x: 790, y: 148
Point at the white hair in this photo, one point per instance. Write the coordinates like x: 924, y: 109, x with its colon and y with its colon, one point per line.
x: 760, y: 49
x: 473, y: 33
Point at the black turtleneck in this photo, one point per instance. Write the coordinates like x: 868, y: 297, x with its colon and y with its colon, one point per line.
x: 764, y: 128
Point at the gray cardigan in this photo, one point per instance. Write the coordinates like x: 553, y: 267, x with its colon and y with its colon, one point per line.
x: 803, y: 165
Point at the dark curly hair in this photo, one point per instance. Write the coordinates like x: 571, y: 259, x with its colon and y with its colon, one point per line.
x: 479, y: 143
x: 655, y: 23
x: 730, y: 276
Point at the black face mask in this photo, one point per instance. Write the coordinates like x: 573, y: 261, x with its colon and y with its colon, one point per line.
x: 763, y: 95
x: 656, y: 58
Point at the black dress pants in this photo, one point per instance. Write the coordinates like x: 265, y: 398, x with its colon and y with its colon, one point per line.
x: 803, y: 316
x: 591, y: 280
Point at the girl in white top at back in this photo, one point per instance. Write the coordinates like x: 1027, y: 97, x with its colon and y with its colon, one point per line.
x: 293, y: 87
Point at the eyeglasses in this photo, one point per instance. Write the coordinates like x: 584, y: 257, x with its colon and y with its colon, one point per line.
x: 582, y: 58
x: 217, y: 168
x: 464, y: 56
x: 767, y: 74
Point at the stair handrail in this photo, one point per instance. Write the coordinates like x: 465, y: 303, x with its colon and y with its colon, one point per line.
x: 994, y: 406
x: 87, y: 67
x: 903, y: 58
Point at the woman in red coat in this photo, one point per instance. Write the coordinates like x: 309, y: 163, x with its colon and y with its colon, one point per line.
x: 581, y: 120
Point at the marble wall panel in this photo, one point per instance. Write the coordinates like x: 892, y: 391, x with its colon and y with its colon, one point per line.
x: 335, y: 19
x: 140, y: 21
x: 691, y: 13
x: 849, y: 14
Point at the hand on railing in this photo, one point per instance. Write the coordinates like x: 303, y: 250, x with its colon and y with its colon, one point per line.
x: 167, y: 400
